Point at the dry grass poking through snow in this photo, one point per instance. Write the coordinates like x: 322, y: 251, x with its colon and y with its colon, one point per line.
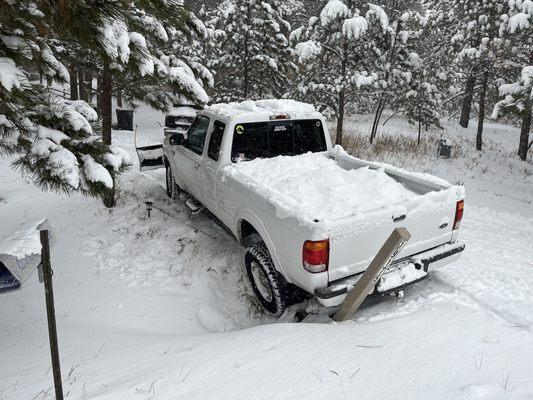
x: 403, y: 151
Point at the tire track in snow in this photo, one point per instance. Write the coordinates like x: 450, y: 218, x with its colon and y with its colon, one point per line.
x: 496, y: 269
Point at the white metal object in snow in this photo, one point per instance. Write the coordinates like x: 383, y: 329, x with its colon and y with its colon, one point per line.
x: 150, y: 157
x: 20, y: 254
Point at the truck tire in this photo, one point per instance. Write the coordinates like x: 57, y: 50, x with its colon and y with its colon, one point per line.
x: 173, y: 189
x: 267, y: 284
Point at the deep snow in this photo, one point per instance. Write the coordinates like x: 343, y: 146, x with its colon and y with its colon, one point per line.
x: 153, y: 308
x: 318, y: 188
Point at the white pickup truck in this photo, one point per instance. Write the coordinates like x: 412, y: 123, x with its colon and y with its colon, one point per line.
x: 310, y: 216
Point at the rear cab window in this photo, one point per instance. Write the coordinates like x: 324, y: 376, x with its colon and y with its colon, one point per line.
x: 275, y: 138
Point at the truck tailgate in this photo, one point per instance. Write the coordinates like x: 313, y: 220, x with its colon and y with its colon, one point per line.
x: 354, y: 241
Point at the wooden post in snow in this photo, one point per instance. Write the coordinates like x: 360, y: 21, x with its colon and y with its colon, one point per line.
x: 365, y: 285
x: 50, y: 312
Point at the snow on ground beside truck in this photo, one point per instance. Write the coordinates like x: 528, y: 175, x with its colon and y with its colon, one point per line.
x: 153, y: 308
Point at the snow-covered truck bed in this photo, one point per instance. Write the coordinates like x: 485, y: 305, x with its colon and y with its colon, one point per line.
x: 311, y: 216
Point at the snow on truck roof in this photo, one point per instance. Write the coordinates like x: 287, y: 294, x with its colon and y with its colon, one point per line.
x: 183, y: 111
x: 264, y: 109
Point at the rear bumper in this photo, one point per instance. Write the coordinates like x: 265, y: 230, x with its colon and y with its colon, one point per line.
x: 398, y: 275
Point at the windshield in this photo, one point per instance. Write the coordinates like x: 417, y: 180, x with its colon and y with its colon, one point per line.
x: 275, y: 138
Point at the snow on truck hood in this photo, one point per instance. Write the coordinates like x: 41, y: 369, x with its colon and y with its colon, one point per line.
x: 313, y: 186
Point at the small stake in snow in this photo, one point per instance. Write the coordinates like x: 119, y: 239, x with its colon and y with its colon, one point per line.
x: 148, y: 207
x: 364, y: 286
x: 50, y: 312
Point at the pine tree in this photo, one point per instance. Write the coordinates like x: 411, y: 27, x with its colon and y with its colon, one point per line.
x: 124, y: 41
x: 399, y: 62
x: 421, y: 95
x: 254, y: 59
x: 517, y: 31
x: 337, y: 55
x: 52, y: 138
x: 475, y: 43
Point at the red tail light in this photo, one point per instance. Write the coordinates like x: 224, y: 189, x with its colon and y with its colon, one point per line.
x: 458, y: 214
x: 315, y: 256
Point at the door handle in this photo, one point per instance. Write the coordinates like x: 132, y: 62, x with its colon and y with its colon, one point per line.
x: 196, y: 165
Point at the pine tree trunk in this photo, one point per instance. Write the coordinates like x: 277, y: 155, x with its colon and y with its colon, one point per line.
x: 73, y: 83
x: 523, y: 146
x: 119, y: 98
x: 107, y: 94
x: 82, y: 86
x: 481, y: 116
x: 467, y: 98
x: 340, y: 119
x: 342, y: 103
x: 377, y: 116
x: 247, y: 58
x: 419, y: 123
x: 99, y: 94
x: 89, y: 85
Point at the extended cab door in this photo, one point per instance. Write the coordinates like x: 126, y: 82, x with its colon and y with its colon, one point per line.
x: 211, y: 167
x: 189, y: 156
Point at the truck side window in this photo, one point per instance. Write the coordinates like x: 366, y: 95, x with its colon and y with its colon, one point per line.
x: 215, y: 141
x: 196, y: 134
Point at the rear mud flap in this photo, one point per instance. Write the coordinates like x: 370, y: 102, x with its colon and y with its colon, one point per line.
x: 150, y: 157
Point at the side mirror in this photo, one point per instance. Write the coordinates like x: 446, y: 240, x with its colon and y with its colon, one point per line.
x: 176, y: 139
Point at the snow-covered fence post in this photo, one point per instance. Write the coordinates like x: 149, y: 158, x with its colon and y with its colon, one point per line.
x: 50, y: 312
x: 365, y: 285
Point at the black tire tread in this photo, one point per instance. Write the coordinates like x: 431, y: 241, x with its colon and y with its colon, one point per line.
x: 279, y: 302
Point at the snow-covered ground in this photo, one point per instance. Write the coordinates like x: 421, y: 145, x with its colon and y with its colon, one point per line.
x: 154, y: 308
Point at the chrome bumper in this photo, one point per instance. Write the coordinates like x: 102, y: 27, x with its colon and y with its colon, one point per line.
x: 399, y: 274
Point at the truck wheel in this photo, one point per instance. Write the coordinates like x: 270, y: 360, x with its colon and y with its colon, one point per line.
x: 267, y: 283
x: 172, y: 187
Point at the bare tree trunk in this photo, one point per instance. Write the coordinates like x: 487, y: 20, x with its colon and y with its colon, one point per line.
x: 377, y: 116
x: 247, y: 59
x: 342, y: 103
x: 73, y: 83
x: 82, y: 87
x: 523, y: 146
x: 89, y: 85
x: 481, y: 115
x: 119, y: 98
x: 340, y: 119
x: 99, y: 93
x: 419, y: 123
x: 467, y: 98
x: 106, y: 103
x: 107, y: 94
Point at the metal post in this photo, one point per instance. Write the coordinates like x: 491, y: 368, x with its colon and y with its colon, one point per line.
x: 50, y: 312
x: 365, y: 285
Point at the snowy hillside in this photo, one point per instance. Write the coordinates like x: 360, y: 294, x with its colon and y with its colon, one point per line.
x: 156, y: 308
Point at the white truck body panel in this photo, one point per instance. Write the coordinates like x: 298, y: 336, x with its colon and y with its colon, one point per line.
x: 354, y: 239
